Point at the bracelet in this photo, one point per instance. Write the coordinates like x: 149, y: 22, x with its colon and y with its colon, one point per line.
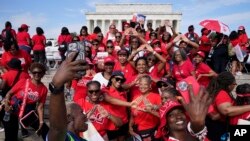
x: 200, y: 135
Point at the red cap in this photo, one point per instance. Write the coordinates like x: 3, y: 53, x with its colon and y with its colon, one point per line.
x: 24, y: 26
x: 165, y: 109
x: 158, y: 50
x: 155, y: 41
x: 241, y: 27
x: 109, y: 60
x: 201, y: 53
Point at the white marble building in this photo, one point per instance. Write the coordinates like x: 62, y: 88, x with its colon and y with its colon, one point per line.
x: 118, y: 13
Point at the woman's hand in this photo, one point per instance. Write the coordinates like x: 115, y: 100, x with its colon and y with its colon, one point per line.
x: 69, y: 70
x: 197, y: 108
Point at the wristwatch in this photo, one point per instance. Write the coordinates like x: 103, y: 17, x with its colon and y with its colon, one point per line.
x: 55, y: 90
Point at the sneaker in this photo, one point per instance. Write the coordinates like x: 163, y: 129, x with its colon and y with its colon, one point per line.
x: 239, y: 73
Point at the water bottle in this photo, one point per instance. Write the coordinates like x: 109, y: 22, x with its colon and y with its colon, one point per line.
x: 6, y: 117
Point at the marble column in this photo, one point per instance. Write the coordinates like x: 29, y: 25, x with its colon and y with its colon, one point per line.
x: 178, y: 25
x: 154, y: 24
x: 103, y: 25
x: 95, y: 23
x: 89, y: 27
x: 119, y: 26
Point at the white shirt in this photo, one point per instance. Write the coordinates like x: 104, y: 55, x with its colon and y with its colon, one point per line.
x: 103, y: 81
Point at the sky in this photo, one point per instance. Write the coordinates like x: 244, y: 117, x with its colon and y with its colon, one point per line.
x: 52, y: 15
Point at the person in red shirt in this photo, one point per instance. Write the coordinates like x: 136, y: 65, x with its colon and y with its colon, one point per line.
x: 79, y: 85
x: 63, y: 39
x: 149, y: 30
x: 117, y: 42
x: 144, y: 120
x: 123, y: 64
x: 191, y: 35
x: 220, y: 88
x: 243, y: 98
x: 36, y: 93
x: 243, y: 38
x: 97, y: 110
x: 39, y: 41
x: 203, y: 72
x: 23, y: 38
x: 110, y: 48
x: 13, y: 74
x: 184, y: 122
x: 8, y: 34
x: 182, y: 66
x: 84, y: 35
x: 114, y: 89
x: 15, y: 52
x: 205, y: 44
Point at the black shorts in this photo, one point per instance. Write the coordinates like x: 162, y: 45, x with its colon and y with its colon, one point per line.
x: 122, y: 131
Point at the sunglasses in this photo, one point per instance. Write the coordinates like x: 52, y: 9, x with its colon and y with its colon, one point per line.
x: 163, y: 85
x: 100, y: 36
x: 93, y: 91
x: 151, y: 59
x: 110, y: 46
x: 117, y: 79
x: 37, y: 72
x: 94, y: 44
x: 117, y: 36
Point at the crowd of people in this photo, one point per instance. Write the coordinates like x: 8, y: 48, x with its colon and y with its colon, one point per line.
x: 140, y: 83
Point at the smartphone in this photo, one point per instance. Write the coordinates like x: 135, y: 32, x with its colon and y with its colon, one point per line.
x: 79, y: 48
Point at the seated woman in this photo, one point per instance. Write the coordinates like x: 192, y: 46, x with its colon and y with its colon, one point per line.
x: 185, y: 122
x: 144, y: 119
x: 97, y: 110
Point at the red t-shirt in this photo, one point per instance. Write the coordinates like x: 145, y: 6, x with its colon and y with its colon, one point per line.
x: 128, y: 69
x: 203, y: 68
x: 13, y: 32
x: 183, y: 71
x: 154, y: 72
x: 39, y: 41
x: 82, y: 38
x: 36, y: 93
x: 21, y: 55
x: 234, y: 119
x: 10, y: 76
x: 203, y: 41
x: 101, y: 124
x: 80, y: 87
x: 243, y: 39
x: 64, y: 38
x: 119, y: 111
x: 22, y: 38
x: 146, y: 120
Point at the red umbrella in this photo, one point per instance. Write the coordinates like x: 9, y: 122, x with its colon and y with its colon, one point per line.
x: 215, y: 25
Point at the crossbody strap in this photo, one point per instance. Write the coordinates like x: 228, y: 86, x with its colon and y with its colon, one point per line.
x: 24, y: 99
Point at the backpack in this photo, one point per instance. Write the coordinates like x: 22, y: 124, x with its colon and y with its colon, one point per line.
x: 64, y: 46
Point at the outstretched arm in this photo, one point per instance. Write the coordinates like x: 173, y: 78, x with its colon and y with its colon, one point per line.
x: 57, y: 109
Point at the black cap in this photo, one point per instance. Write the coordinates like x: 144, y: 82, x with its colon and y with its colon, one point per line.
x: 116, y: 73
x: 14, y: 63
x: 165, y: 80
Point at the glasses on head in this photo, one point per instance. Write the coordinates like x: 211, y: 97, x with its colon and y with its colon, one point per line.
x: 37, y: 72
x: 117, y: 79
x: 93, y: 91
x: 110, y: 46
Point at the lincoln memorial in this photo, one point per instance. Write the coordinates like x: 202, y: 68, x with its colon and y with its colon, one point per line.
x: 118, y: 13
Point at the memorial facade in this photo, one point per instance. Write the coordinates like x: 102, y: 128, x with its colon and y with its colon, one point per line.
x: 118, y: 13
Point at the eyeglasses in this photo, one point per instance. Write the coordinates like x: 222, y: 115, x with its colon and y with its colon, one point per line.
x: 109, y: 64
x: 100, y: 36
x: 93, y: 91
x: 163, y: 85
x: 110, y: 46
x: 117, y: 79
x: 117, y: 36
x: 37, y: 72
x: 94, y: 44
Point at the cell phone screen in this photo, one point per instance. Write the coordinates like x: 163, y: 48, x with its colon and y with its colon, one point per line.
x: 29, y: 119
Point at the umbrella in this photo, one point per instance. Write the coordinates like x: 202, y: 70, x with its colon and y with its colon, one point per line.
x: 215, y: 25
